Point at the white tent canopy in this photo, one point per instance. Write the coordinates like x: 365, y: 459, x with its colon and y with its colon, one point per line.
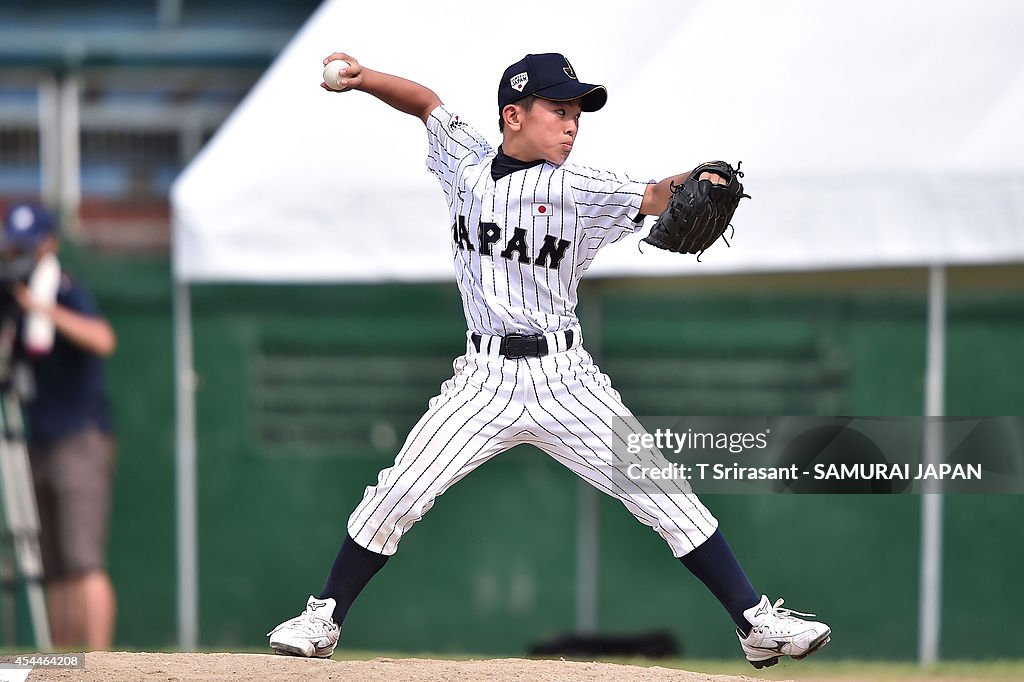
x: 873, y: 134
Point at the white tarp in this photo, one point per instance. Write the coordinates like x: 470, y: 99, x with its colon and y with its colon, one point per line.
x: 874, y: 133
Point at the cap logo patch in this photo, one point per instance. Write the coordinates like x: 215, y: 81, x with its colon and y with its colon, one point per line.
x: 22, y: 218
x: 519, y: 81
x: 568, y: 70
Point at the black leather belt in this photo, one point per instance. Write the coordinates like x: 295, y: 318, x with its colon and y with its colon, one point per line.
x: 515, y: 346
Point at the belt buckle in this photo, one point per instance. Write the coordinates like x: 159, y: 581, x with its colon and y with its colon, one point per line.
x: 520, y: 346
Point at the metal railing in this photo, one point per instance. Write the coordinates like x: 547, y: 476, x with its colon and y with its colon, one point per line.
x: 103, y: 149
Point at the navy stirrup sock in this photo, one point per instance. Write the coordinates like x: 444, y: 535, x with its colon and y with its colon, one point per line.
x: 352, y: 569
x: 716, y: 566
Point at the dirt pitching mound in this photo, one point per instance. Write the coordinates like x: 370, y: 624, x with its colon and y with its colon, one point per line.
x: 107, y: 666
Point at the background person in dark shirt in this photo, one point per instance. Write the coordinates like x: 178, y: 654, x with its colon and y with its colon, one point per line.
x: 70, y: 436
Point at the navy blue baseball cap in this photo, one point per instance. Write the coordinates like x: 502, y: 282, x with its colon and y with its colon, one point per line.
x: 549, y: 76
x: 26, y: 225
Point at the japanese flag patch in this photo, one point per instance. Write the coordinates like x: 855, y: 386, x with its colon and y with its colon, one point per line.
x: 542, y: 210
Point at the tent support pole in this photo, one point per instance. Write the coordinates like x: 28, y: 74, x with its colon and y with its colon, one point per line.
x: 930, y: 601
x: 185, y: 472
x: 588, y: 522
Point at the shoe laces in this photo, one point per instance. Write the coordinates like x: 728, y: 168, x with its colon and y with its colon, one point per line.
x: 788, y: 614
x: 780, y: 617
x: 307, y: 624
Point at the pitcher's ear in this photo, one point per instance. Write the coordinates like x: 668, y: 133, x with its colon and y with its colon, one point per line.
x: 512, y: 115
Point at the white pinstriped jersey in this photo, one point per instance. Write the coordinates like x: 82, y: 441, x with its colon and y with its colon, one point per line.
x: 522, y: 243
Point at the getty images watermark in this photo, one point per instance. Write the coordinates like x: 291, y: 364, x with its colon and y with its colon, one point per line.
x: 870, y: 455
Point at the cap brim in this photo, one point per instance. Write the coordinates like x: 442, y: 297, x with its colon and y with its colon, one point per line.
x: 592, y: 97
x: 24, y: 241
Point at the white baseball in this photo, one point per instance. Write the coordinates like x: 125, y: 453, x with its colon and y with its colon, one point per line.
x: 331, y: 74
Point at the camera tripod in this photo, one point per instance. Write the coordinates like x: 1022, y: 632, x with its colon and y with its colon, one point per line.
x: 19, y: 515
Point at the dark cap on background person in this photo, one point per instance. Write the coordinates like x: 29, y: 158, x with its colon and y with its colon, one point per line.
x: 26, y: 225
x: 549, y: 76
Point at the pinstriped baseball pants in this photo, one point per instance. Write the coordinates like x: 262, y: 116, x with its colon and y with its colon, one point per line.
x: 561, y: 403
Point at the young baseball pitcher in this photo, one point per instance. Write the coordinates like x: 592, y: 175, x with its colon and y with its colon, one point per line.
x: 525, y: 226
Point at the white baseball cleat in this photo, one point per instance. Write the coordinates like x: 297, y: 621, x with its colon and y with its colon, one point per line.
x: 312, y: 634
x: 777, y: 632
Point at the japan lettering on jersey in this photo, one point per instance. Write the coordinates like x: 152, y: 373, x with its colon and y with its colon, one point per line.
x: 522, y: 243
